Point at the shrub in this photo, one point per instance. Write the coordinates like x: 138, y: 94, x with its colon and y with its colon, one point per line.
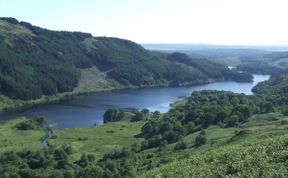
x: 138, y: 116
x: 180, y: 146
x: 201, y: 138
x: 112, y: 115
x: 26, y: 125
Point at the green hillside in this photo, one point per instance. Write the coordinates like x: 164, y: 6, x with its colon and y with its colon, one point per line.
x: 255, y: 157
x: 253, y: 147
x: 266, y: 63
x: 208, y: 68
x: 36, y: 62
x: 208, y: 134
x: 275, y: 91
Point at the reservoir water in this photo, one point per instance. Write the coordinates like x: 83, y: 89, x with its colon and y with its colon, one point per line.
x: 87, y: 110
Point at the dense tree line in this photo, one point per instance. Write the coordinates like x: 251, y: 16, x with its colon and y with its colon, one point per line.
x: 201, y: 110
x: 112, y: 115
x: 258, y: 68
x: 123, y: 58
x: 53, y: 162
x: 36, y: 65
x: 209, y: 68
x: 36, y: 123
x: 275, y: 91
x: 277, y: 55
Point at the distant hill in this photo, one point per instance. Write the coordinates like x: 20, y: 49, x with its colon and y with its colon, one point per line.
x: 263, y: 59
x: 36, y: 62
x: 196, y: 47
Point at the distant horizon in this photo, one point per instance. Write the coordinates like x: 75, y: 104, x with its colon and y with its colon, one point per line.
x: 213, y: 22
x: 160, y: 43
x: 203, y: 47
x: 154, y: 43
x: 168, y: 43
x: 211, y: 44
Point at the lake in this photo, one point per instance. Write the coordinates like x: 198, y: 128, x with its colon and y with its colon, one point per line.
x: 87, y: 110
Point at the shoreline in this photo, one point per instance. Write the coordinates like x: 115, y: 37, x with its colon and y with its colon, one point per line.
x: 28, y: 111
x: 21, y: 105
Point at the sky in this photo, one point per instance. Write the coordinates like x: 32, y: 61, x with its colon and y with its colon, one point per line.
x: 237, y: 22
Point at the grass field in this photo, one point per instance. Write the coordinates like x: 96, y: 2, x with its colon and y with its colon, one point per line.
x: 100, y: 139
x: 93, y: 80
x: 12, y: 139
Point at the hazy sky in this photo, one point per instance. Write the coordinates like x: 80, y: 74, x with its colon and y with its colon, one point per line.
x: 161, y: 21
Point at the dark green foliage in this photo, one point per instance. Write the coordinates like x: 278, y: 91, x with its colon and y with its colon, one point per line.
x: 121, y: 58
x: 135, y: 147
x: 148, y: 129
x: 181, y: 146
x: 145, y: 111
x: 163, y: 144
x: 28, y: 125
x: 119, y: 163
x: 31, y: 68
x: 258, y: 68
x: 190, y: 126
x: 48, y: 163
x: 83, y: 162
x: 36, y: 123
x: 40, y: 121
x: 232, y: 121
x: 206, y: 108
x: 138, y: 116
x: 239, y: 77
x: 166, y: 129
x: 201, y: 110
x: 60, y: 154
x: 279, y: 73
x: 274, y: 90
x: 10, y: 20
x: 201, y: 138
x: 91, y: 172
x: 112, y: 115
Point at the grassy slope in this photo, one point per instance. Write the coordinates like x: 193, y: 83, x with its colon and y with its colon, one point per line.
x: 12, y: 139
x: 100, y: 139
x: 244, y: 148
x: 259, y: 159
x: 10, y: 31
x: 93, y: 80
